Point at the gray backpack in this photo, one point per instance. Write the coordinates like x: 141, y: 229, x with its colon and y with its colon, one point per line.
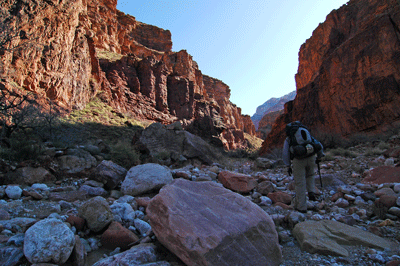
x: 301, y: 143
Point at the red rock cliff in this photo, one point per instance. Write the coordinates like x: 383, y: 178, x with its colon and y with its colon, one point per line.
x: 348, y: 75
x: 78, y: 49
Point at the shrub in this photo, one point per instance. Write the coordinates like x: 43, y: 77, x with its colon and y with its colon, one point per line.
x: 163, y: 155
x: 374, y: 151
x: 125, y: 155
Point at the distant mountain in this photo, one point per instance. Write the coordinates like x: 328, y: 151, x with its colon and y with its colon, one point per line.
x: 272, y: 105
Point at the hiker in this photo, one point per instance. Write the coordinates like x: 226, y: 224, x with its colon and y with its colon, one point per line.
x: 303, y: 151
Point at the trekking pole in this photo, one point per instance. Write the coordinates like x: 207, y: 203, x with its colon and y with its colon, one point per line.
x: 319, y: 172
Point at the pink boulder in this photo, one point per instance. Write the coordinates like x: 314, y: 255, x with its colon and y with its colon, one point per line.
x: 237, y: 182
x: 118, y: 236
x: 205, y: 224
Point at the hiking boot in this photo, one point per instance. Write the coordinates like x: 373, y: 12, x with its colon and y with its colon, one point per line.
x: 312, y: 196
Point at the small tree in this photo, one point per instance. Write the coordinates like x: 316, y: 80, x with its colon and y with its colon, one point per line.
x: 11, y: 111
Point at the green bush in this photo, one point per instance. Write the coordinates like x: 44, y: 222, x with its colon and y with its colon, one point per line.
x: 124, y: 155
x: 374, y: 152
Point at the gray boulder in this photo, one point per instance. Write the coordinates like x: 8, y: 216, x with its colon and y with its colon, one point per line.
x: 145, y: 178
x: 28, y: 176
x: 142, y: 254
x: 49, y: 240
x: 157, y: 138
x: 76, y: 161
x: 329, y: 237
x: 21, y: 223
x: 109, y: 173
x: 93, y: 191
x: 97, y: 213
x: 205, y: 224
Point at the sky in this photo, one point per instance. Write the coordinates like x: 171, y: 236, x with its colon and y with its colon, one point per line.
x: 250, y: 45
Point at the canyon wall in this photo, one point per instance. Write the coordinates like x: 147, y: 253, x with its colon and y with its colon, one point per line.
x: 70, y: 51
x: 348, y: 76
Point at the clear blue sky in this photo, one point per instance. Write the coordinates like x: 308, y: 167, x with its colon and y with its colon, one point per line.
x: 251, y: 45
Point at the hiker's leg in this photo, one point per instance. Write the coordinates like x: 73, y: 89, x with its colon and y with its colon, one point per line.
x: 310, y: 174
x: 299, y: 174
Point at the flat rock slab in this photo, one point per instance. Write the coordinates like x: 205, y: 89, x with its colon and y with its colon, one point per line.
x: 204, y: 223
x: 328, y: 237
x: 383, y: 174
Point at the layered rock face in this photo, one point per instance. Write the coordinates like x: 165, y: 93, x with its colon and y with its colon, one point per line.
x: 71, y: 51
x: 348, y: 78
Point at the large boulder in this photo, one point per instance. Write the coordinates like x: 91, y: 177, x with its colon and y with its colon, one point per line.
x: 145, y: 178
x: 157, y: 138
x: 109, y: 173
x: 49, y: 240
x: 76, y: 161
x: 28, y: 176
x: 329, y: 237
x: 205, y: 224
x: 97, y: 213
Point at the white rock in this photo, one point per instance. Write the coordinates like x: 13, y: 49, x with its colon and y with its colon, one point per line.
x: 123, y: 210
x: 265, y: 201
x: 349, y: 197
x: 317, y: 217
x: 359, y: 201
x: 342, y: 203
x: 49, y: 240
x: 142, y: 226
x: 394, y: 211
x: 345, y: 190
x: 42, y: 187
x: 13, y: 192
x: 396, y: 187
x: 139, y: 214
x: 126, y: 199
x: 145, y: 178
x: 389, y: 162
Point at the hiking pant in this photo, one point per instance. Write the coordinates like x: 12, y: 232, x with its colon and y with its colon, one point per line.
x: 303, y: 175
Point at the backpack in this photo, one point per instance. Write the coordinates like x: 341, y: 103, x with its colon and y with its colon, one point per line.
x: 301, y: 143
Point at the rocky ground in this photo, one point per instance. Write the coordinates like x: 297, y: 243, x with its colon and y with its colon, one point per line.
x: 344, y: 197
